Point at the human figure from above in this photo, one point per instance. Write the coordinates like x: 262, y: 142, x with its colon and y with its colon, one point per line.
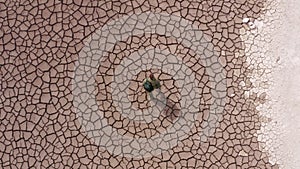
x: 151, y: 84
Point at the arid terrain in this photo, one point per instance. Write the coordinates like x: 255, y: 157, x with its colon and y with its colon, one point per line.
x: 72, y: 72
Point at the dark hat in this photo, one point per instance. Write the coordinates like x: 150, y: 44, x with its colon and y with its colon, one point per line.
x: 148, y: 86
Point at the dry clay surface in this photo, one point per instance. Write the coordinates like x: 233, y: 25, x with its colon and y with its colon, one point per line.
x: 71, y: 91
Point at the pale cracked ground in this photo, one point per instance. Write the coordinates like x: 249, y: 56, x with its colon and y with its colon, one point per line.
x: 42, y: 44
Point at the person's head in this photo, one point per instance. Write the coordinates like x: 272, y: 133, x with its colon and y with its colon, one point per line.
x: 152, y: 76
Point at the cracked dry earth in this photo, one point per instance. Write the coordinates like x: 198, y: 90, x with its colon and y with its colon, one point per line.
x: 44, y: 45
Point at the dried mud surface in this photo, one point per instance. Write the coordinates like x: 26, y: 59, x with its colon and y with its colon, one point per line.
x: 40, y: 42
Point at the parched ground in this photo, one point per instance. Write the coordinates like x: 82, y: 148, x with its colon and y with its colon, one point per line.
x: 41, y: 43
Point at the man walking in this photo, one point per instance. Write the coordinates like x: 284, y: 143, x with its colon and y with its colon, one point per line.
x: 150, y: 84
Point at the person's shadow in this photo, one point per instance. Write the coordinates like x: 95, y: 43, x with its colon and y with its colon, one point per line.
x: 168, y: 107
